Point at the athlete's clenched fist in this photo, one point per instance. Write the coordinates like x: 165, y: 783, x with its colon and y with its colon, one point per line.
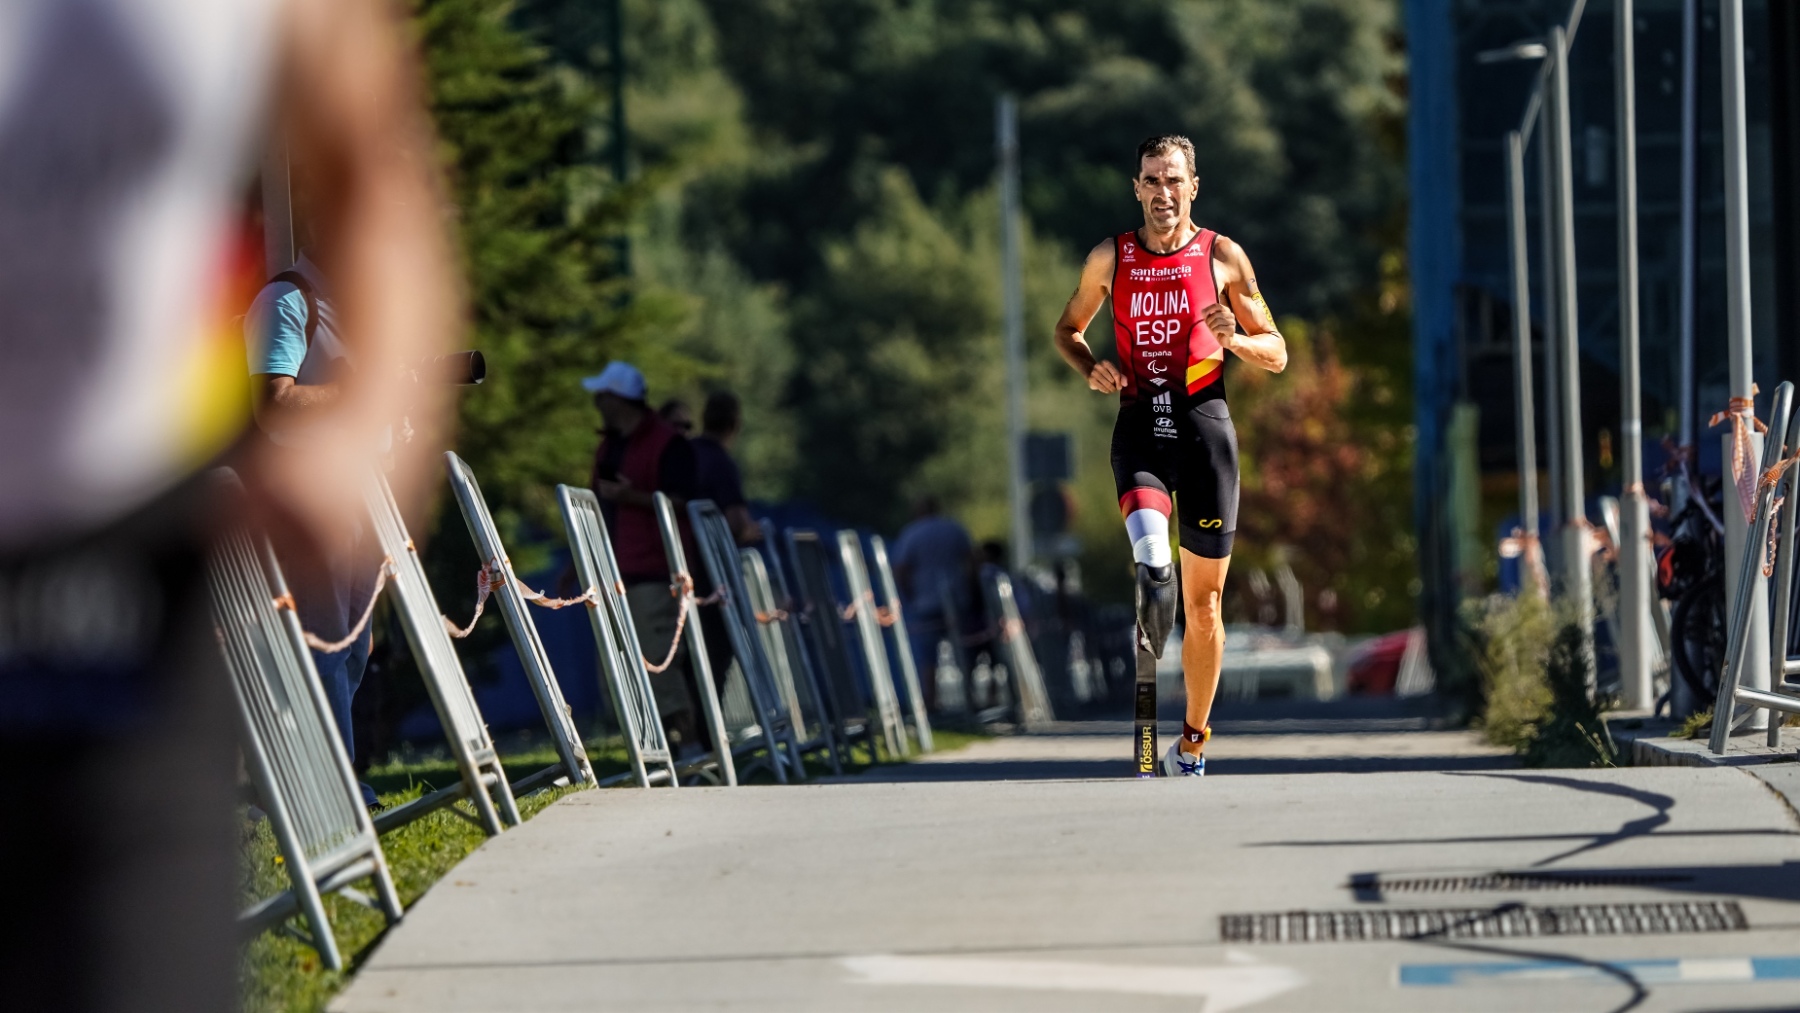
x: 1221, y: 323
x: 1105, y: 378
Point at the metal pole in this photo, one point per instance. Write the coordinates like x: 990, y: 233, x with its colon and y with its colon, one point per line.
x: 1738, y: 338
x: 620, y: 150
x: 278, y: 208
x: 1013, y: 307
x: 1690, y: 168
x: 1577, y: 579
x: 1551, y: 280
x: 1531, y: 557
x: 1634, y: 510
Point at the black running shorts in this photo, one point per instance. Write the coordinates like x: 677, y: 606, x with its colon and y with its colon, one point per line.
x: 1167, y: 446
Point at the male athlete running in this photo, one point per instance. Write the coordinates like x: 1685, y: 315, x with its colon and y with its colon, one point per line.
x: 1178, y: 294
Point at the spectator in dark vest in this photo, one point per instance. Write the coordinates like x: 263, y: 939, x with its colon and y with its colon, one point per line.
x: 639, y: 455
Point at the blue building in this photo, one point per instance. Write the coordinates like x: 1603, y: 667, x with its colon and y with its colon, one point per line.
x: 1461, y: 110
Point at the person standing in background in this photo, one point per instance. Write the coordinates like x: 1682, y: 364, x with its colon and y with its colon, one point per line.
x: 716, y: 478
x: 931, y: 565
x: 124, y: 130
x: 716, y: 472
x: 298, y: 368
x: 640, y: 455
x: 676, y: 413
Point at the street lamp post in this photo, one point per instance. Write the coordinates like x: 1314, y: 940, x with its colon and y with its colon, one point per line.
x: 1550, y: 278
x: 1577, y: 578
x: 1006, y: 116
x: 1742, y: 467
x: 1634, y: 509
x: 1531, y: 554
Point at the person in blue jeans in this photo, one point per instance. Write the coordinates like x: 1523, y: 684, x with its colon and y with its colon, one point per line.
x: 298, y: 365
x: 931, y: 561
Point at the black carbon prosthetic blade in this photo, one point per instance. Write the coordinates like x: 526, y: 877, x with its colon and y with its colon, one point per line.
x: 1144, y: 697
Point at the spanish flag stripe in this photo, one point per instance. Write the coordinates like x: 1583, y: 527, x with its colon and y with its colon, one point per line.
x: 1203, y: 369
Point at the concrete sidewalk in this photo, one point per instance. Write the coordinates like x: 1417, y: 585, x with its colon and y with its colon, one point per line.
x: 1363, y: 735
x: 1104, y: 894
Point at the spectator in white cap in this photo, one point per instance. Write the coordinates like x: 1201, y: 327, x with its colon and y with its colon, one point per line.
x: 640, y: 454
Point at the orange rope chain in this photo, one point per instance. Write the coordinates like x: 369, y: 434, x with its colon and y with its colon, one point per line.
x: 884, y: 615
x: 683, y: 591
x: 313, y: 641
x: 488, y: 580
x: 1741, y: 413
x: 1770, y: 480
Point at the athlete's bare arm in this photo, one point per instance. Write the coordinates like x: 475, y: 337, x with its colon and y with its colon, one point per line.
x: 1261, y: 344
x: 348, y: 101
x: 1071, y: 329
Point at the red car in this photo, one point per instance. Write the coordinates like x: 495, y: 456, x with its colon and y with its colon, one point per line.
x: 1375, y: 664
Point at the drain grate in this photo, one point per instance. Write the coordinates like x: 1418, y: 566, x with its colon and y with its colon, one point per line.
x: 1505, y: 881
x: 1508, y: 921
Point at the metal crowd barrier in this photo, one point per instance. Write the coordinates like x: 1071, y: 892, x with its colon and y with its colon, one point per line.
x: 295, y: 756
x: 622, y: 669
x: 719, y: 554
x: 781, y: 642
x: 1031, y: 699
x: 909, y: 669
x: 1776, y: 490
x: 696, y: 641
x: 482, y: 779
x: 822, y: 634
x: 874, y: 651
x: 572, y: 760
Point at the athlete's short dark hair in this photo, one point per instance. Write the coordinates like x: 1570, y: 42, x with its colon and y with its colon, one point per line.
x: 1162, y: 144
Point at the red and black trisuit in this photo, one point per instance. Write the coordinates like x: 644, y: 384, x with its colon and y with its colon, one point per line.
x: 1174, y: 432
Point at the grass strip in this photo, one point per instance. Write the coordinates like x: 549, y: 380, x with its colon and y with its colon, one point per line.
x: 280, y: 974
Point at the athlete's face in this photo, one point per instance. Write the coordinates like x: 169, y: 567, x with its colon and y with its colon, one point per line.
x: 1165, y: 187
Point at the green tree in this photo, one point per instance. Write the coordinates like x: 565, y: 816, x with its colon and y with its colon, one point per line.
x: 821, y: 235
x: 535, y: 218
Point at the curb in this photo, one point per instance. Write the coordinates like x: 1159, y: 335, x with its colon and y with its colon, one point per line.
x: 1647, y: 743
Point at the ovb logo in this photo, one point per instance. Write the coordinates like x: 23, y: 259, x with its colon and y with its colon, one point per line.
x: 1164, y: 405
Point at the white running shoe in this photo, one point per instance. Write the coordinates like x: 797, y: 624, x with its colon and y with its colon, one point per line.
x: 1180, y: 764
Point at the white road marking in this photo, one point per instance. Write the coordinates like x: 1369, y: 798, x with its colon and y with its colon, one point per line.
x: 1223, y: 988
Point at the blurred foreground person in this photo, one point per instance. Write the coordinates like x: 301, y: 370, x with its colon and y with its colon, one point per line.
x: 1178, y: 293
x: 124, y: 130
x: 931, y: 565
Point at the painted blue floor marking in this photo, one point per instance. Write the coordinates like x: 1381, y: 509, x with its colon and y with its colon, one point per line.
x: 1686, y: 970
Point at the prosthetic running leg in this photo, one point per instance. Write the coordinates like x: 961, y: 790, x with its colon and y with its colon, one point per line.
x: 1157, y: 597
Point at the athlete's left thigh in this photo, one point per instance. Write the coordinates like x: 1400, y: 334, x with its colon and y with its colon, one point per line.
x: 1206, y: 497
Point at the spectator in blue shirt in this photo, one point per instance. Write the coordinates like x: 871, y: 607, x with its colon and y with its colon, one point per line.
x: 931, y: 564
x: 297, y: 363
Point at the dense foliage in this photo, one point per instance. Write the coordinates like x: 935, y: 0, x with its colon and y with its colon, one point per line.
x: 814, y: 225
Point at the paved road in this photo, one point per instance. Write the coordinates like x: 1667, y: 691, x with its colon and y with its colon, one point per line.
x: 1272, y: 737
x: 1101, y: 894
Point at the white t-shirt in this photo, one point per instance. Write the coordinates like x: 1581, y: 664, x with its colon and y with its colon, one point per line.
x: 126, y: 135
